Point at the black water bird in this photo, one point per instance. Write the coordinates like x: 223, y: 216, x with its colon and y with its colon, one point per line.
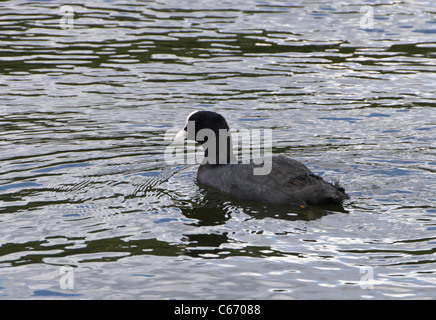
x: 288, y: 181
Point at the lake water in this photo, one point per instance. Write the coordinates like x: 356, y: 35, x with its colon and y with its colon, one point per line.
x: 89, y: 209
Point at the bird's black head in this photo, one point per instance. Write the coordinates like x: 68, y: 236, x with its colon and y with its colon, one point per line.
x: 211, y: 130
x: 200, y: 120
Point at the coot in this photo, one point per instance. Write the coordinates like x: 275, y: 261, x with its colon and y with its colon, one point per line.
x: 288, y: 182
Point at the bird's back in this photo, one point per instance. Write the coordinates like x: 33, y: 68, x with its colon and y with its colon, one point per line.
x: 289, y: 182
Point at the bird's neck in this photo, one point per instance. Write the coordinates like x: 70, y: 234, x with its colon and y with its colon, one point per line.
x: 219, y: 151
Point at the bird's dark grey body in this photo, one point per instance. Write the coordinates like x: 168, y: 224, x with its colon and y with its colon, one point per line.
x: 289, y: 182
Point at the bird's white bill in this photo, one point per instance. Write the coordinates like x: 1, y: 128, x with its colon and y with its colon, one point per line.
x: 180, y: 136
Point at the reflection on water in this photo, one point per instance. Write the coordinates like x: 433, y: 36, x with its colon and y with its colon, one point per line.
x: 83, y: 117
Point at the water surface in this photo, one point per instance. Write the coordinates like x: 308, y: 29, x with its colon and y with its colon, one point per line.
x: 84, y: 113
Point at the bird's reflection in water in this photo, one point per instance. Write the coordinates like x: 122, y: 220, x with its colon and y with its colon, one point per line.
x: 214, y: 208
